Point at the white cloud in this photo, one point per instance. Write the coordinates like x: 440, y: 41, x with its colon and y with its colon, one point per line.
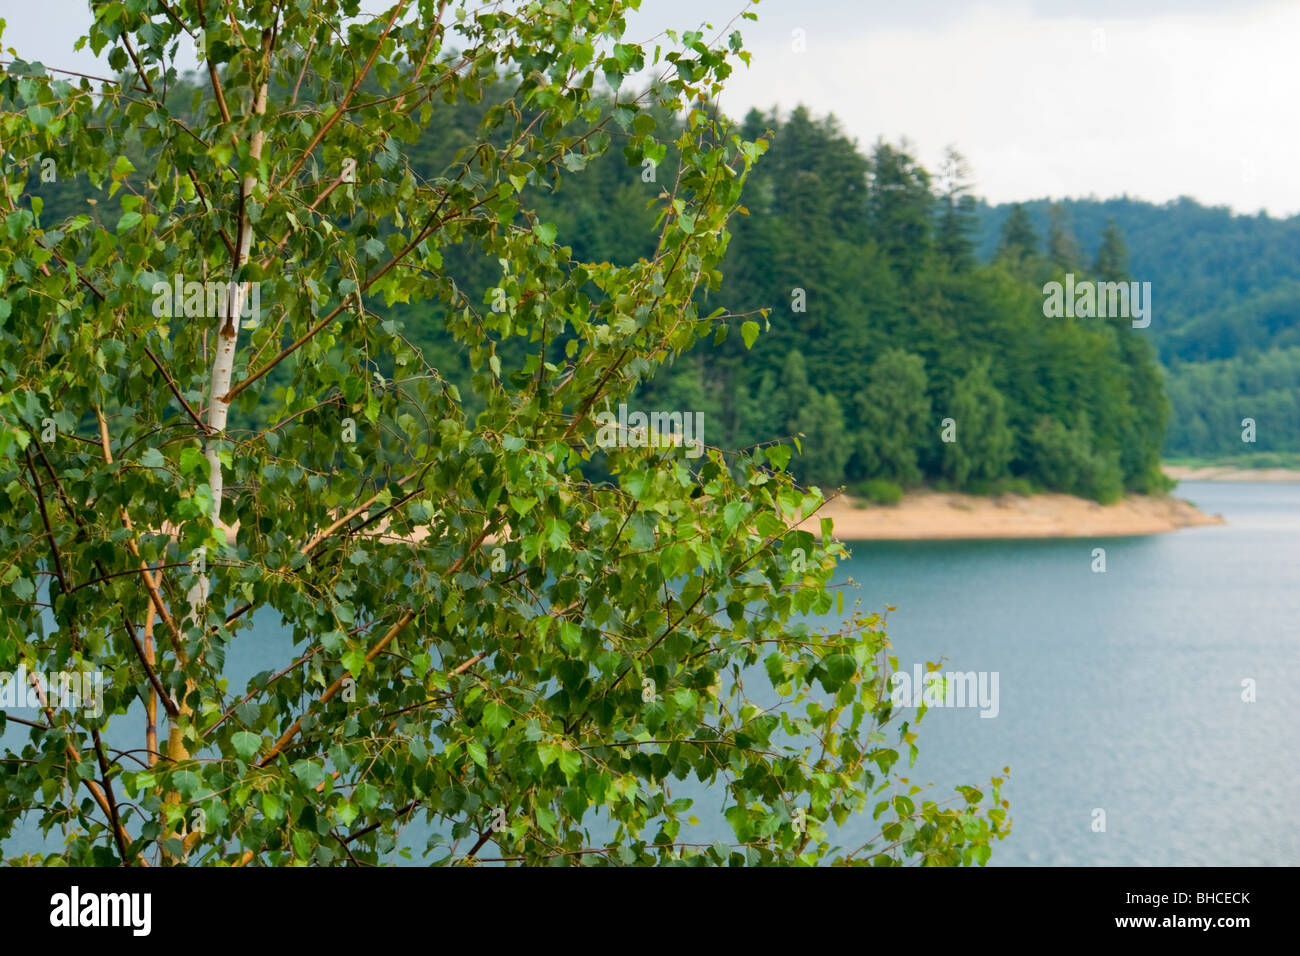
x: 1195, y: 103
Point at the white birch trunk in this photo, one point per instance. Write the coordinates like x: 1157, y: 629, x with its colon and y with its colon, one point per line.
x: 223, y: 365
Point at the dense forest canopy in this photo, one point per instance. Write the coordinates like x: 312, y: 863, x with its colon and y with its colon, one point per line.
x: 905, y: 339
x: 879, y: 326
x: 1227, y: 313
x: 883, y: 334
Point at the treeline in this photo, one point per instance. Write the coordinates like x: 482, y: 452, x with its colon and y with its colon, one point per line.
x: 890, y: 352
x: 1203, y: 262
x: 1226, y: 291
x: 1214, y: 398
x: 888, y: 335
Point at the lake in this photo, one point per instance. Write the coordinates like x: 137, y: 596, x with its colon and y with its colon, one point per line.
x: 1119, y: 691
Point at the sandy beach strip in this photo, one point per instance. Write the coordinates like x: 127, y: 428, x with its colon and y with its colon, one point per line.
x: 938, y: 515
x: 1228, y: 473
x: 934, y: 515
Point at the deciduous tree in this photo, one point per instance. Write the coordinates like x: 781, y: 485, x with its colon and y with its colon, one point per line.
x: 529, y: 662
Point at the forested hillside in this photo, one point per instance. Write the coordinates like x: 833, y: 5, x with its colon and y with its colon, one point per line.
x: 887, y: 344
x: 1226, y: 291
x: 878, y: 325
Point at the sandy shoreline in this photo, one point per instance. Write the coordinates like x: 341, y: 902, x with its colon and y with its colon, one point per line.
x: 942, y: 515
x: 935, y: 515
x: 1228, y: 473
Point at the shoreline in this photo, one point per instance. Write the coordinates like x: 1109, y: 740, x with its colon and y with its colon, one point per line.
x: 941, y: 515
x: 1230, y: 473
x: 929, y: 515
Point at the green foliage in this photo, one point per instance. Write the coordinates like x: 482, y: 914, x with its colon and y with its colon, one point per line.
x: 1211, y: 399
x: 1014, y: 486
x: 882, y: 264
x: 1226, y: 289
x: 1019, y: 241
x: 827, y: 220
x: 1062, y: 248
x: 1066, y: 459
x: 900, y: 208
x: 486, y: 637
x: 982, y: 447
x: 1202, y: 262
x: 837, y: 255
x: 1111, y: 263
x: 894, y: 418
x: 954, y: 238
x: 817, y: 420
x: 1253, y: 460
x: 880, y: 491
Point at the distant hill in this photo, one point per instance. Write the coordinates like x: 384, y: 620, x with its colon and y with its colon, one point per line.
x: 1226, y: 313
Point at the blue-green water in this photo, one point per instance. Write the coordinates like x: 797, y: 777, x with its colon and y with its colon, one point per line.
x: 1119, y: 691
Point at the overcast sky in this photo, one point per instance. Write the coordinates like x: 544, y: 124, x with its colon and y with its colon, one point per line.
x: 1054, y: 98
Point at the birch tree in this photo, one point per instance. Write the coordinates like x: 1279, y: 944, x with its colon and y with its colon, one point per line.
x: 489, y: 649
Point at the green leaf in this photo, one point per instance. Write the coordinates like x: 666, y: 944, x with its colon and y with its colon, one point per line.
x: 366, y: 796
x: 548, y: 753
x: 186, y: 782
x: 570, y: 762
x: 838, y: 669
x: 39, y: 116
x: 246, y: 744
x: 495, y: 717
x: 310, y: 773
x: 477, y: 753
x: 354, y: 660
